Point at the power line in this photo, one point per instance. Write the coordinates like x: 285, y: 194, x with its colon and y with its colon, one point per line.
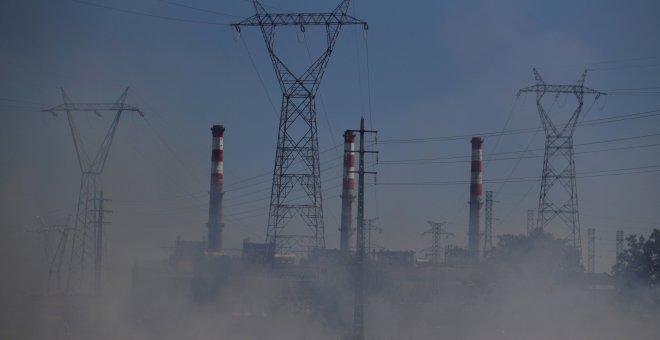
x: 145, y: 14
x: 261, y: 80
x: 590, y: 174
x: 465, y: 159
x: 597, y: 121
x: 633, y: 89
x: 200, y: 9
x: 614, y: 61
x: 171, y: 150
x: 623, y: 67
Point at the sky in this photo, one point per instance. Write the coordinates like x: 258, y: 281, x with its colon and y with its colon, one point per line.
x: 423, y: 70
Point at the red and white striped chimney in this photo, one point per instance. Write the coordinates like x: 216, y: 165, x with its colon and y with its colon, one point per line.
x: 476, y: 198
x: 216, y: 224
x: 347, y: 231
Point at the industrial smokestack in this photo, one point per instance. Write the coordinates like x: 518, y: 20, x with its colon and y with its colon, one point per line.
x: 476, y: 199
x: 215, y: 224
x: 347, y: 231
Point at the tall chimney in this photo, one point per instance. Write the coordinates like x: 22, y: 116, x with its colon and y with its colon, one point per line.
x: 347, y: 231
x: 215, y: 224
x: 476, y: 199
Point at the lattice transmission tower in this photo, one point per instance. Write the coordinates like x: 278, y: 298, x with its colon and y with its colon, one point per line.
x: 619, y: 244
x: 558, y: 197
x: 591, y: 250
x: 437, y: 232
x: 530, y: 221
x: 370, y: 226
x: 83, y: 257
x: 488, y: 230
x: 297, y: 156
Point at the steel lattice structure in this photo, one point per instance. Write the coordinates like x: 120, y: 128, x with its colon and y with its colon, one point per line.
x: 55, y: 256
x: 558, y: 197
x: 297, y: 155
x: 530, y: 221
x: 437, y: 232
x: 619, y: 244
x: 488, y: 230
x: 591, y: 250
x: 370, y: 225
x: 82, y: 256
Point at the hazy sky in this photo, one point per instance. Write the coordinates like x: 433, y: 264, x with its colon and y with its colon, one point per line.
x: 426, y: 69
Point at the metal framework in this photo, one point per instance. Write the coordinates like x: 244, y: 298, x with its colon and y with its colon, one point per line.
x: 370, y: 226
x: 530, y: 221
x: 619, y: 244
x: 54, y: 256
x: 437, y: 232
x: 488, y: 231
x: 558, y: 197
x: 591, y: 250
x: 83, y: 255
x: 297, y: 156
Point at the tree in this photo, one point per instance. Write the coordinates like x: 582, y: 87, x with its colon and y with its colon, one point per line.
x: 638, y: 267
x: 539, y: 253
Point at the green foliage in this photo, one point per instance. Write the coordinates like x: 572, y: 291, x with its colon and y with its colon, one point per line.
x: 538, y: 253
x: 638, y: 267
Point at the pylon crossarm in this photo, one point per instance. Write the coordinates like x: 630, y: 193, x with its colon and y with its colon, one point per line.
x: 546, y: 88
x: 299, y: 19
x: 82, y: 107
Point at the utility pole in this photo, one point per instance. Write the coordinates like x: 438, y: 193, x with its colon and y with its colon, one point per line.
x: 437, y: 232
x: 558, y: 197
x: 99, y: 232
x: 297, y: 167
x: 359, y: 305
x: 488, y: 231
x: 619, y: 244
x: 82, y: 249
x: 530, y: 221
x: 591, y: 250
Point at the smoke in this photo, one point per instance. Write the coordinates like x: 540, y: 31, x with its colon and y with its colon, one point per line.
x: 528, y: 300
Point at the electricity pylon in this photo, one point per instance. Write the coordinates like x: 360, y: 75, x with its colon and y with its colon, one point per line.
x: 591, y: 250
x: 530, y: 221
x: 488, y: 230
x: 83, y: 255
x: 370, y: 226
x: 619, y: 244
x: 437, y: 232
x: 558, y: 197
x: 297, y: 155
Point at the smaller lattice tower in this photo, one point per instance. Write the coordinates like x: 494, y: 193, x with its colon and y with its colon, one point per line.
x: 437, y: 232
x: 591, y: 250
x: 530, y: 221
x: 488, y: 230
x: 619, y: 244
